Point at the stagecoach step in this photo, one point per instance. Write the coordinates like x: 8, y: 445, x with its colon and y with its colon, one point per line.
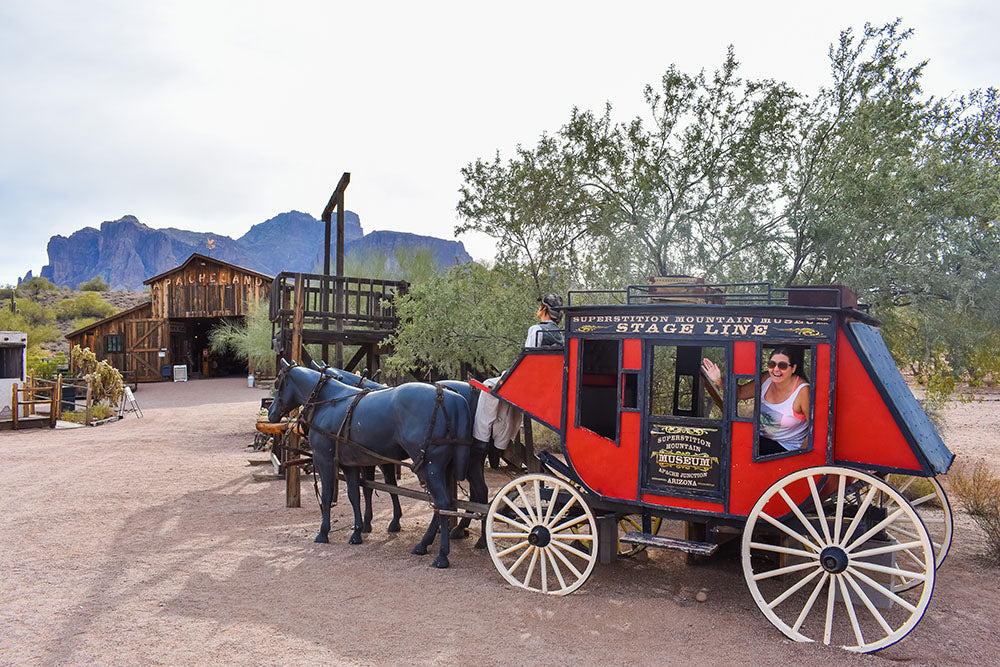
x: 675, y: 543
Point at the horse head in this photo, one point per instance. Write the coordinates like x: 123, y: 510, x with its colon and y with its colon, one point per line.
x: 284, y: 393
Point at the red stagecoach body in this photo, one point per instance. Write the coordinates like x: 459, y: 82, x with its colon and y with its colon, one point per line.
x: 598, y: 393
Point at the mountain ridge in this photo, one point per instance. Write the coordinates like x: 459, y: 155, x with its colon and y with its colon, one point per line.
x: 125, y: 252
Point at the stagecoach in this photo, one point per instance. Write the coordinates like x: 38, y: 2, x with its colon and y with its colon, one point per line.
x: 834, y: 544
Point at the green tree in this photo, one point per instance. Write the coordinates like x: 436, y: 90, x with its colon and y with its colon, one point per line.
x: 469, y: 314
x: 35, y: 286
x: 95, y: 284
x: 88, y: 304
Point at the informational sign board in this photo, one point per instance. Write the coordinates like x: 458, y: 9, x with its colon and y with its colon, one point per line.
x: 684, y: 459
x: 702, y: 326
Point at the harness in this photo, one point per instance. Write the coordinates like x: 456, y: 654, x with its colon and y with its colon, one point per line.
x: 306, y: 424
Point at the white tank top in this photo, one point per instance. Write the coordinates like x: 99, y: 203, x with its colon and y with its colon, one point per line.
x: 779, y: 422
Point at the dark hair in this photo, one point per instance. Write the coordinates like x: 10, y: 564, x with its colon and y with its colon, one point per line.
x: 795, y: 355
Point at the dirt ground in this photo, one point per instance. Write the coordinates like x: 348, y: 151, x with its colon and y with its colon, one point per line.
x: 148, y: 541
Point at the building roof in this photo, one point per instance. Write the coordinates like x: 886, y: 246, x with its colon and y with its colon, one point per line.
x: 205, y: 258
x: 127, y: 311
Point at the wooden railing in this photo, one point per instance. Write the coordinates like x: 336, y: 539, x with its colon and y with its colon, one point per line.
x: 329, y: 301
x: 35, y: 392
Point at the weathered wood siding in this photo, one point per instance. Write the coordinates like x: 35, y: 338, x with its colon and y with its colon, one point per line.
x: 143, y: 339
x: 206, y: 289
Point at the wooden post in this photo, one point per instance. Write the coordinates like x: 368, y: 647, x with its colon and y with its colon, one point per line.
x: 13, y: 405
x: 296, y: 352
x: 31, y: 395
x: 293, y: 490
x: 86, y: 415
x: 56, y: 400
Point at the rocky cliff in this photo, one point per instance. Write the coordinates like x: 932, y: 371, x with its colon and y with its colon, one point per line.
x: 126, y: 252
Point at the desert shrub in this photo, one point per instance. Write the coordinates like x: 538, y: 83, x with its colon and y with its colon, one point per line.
x: 35, y: 287
x: 978, y: 489
x: 98, y: 411
x: 249, y: 339
x: 46, y: 367
x: 95, y: 284
x: 104, y: 380
x: 88, y: 304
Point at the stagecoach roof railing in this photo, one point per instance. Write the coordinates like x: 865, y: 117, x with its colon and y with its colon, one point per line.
x: 686, y: 294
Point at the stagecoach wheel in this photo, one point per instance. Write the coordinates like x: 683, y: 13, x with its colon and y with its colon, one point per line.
x: 542, y: 535
x: 824, y: 568
x: 934, y: 510
x: 632, y: 523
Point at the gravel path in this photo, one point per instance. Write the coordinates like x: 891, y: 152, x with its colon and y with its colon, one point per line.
x: 147, y: 541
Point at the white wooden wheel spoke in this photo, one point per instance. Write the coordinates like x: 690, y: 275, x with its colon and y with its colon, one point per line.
x: 877, y: 528
x: 554, y: 566
x: 923, y: 499
x: 510, y: 550
x: 572, y: 550
x: 883, y: 569
x: 852, y: 562
x: 867, y: 553
x: 854, y: 522
x: 839, y: 520
x: 531, y: 566
x: 880, y: 588
x: 788, y: 531
x: 831, y: 598
x: 798, y: 567
x: 845, y: 594
x: 546, y: 507
x: 572, y: 537
x: 868, y: 603
x: 819, y: 510
x: 569, y: 524
x: 794, y: 589
x: 511, y: 522
x: 907, y: 484
x: 807, y: 607
x: 783, y: 550
x: 517, y: 510
x: 521, y: 559
x: 528, y: 509
x: 800, y: 516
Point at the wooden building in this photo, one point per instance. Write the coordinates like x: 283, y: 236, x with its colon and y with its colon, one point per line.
x: 147, y: 341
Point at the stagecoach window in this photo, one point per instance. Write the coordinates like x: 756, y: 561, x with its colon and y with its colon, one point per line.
x: 802, y: 357
x: 598, y: 394
x: 677, y: 388
x: 114, y: 343
x: 11, y: 359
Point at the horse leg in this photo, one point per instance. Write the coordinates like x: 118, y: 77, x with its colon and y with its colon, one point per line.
x: 478, y: 493
x: 428, y: 539
x: 368, y: 473
x: 353, y: 476
x: 323, y: 463
x: 389, y: 476
x: 438, y: 487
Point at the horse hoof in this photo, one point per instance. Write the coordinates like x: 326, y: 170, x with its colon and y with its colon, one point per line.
x: 458, y: 533
x: 441, y: 562
x: 419, y: 550
x: 322, y: 539
x: 367, y: 529
x: 355, y: 538
x: 394, y: 527
x: 481, y: 544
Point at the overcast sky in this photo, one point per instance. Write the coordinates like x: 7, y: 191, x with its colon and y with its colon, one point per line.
x: 214, y: 116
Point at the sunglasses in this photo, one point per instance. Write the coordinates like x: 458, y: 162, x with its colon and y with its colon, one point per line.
x: 783, y: 365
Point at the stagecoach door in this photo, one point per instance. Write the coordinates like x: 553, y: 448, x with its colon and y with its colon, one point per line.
x: 685, y: 449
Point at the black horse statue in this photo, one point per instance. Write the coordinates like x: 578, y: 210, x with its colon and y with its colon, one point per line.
x: 478, y: 490
x: 355, y: 428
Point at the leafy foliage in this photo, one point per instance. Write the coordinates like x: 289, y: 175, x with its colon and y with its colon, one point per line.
x: 248, y: 340
x: 35, y: 286
x: 95, y: 284
x: 104, y: 380
x: 462, y: 316
x: 88, y: 304
x: 866, y: 183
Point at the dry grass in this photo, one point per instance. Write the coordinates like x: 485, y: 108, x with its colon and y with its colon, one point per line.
x: 978, y: 489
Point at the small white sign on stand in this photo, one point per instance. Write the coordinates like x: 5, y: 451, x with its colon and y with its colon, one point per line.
x: 129, y: 404
x: 180, y: 373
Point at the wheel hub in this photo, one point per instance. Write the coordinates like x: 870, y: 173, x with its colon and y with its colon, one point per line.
x: 834, y: 560
x: 539, y: 536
